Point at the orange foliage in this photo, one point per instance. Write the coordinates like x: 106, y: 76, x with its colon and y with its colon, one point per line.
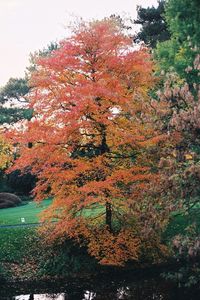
x: 92, y: 126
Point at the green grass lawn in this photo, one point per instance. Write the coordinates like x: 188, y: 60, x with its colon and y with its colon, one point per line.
x: 15, y: 243
x: 179, y: 223
x: 29, y: 211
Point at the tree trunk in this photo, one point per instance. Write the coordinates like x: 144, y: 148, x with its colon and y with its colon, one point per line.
x: 103, y: 147
x: 109, y: 216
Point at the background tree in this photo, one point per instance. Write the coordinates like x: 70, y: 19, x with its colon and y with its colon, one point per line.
x: 180, y: 174
x: 154, y: 27
x: 6, y: 158
x: 179, y: 52
x: 15, y: 90
x: 182, y: 120
x: 13, y: 108
x: 92, y: 139
x: 46, y: 51
x: 6, y: 153
x: 13, y: 94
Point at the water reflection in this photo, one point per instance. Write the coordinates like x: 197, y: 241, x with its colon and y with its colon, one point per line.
x: 122, y: 293
x: 101, y: 288
x: 87, y: 296
x: 41, y: 297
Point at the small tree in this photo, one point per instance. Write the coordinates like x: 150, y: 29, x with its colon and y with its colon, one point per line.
x: 91, y: 136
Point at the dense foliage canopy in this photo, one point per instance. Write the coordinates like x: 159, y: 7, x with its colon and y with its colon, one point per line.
x: 178, y: 53
x: 92, y: 139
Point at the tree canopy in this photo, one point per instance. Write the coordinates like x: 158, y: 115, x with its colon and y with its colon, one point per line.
x: 179, y: 52
x: 12, y: 101
x: 154, y: 27
x: 14, y: 90
x: 6, y: 153
x: 92, y: 139
x: 13, y: 95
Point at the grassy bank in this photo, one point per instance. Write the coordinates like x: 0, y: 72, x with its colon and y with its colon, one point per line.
x: 179, y: 223
x: 29, y: 211
x: 22, y: 249
x: 15, y: 243
x: 24, y: 256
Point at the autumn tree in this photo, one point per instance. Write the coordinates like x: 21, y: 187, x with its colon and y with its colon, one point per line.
x: 92, y: 139
x: 6, y: 158
x: 6, y: 153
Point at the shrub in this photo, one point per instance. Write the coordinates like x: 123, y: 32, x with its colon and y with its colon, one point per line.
x: 7, y: 204
x: 22, y: 184
x: 9, y: 200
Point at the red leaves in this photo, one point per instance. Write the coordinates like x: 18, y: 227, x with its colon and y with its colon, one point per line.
x: 89, y: 138
x: 114, y: 249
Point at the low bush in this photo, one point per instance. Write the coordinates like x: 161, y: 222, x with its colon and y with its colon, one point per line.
x: 7, y: 204
x: 9, y: 200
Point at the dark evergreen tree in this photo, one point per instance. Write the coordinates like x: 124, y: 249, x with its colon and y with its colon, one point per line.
x: 14, y: 90
x: 13, y: 94
x: 154, y: 27
x: 40, y: 53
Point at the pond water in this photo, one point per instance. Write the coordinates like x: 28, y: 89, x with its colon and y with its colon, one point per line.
x: 101, y: 288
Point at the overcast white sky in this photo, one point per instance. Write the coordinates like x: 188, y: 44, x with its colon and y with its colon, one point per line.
x: 29, y: 25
